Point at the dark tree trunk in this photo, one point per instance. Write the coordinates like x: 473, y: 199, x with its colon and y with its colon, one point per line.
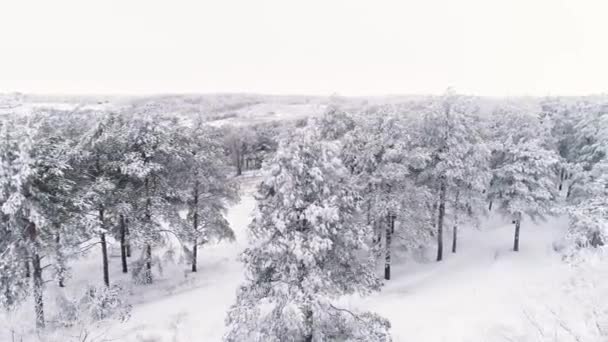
x: 148, y: 257
x: 562, y: 176
x: 238, y: 160
x: 490, y: 206
x: 127, y: 238
x: 195, y: 226
x: 60, y: 272
x: 569, y: 192
x: 104, y: 256
x: 454, y: 237
x: 390, y: 228
x: 455, y: 228
x: 148, y: 270
x: 516, y: 239
x: 442, y: 190
x: 38, y: 283
x: 309, y: 325
x: 26, y: 265
x: 194, y: 255
x: 38, y: 291
x: 104, y: 249
x: 123, y: 245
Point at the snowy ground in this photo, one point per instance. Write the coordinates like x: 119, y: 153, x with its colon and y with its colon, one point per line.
x: 482, y: 293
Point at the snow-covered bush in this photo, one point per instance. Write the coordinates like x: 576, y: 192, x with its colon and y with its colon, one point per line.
x: 97, y: 303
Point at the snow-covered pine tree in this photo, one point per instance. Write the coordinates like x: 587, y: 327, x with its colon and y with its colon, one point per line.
x: 307, y: 249
x: 466, y: 166
x: 205, y: 186
x: 148, y: 163
x: 100, y: 159
x: 36, y: 198
x: 450, y: 138
x: 588, y: 193
x: 13, y: 279
x: 523, y: 179
x: 63, y: 129
x: 377, y: 154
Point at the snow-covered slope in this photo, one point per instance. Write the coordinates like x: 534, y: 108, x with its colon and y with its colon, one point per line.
x: 478, y: 294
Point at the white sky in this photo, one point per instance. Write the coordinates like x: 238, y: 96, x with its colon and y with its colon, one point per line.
x: 486, y: 47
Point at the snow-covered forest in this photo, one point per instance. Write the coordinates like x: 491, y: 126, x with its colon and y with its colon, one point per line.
x: 249, y: 218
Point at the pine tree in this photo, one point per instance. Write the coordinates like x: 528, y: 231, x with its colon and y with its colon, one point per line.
x: 450, y: 137
x: 36, y: 198
x: 377, y: 154
x: 587, y: 198
x: 306, y: 250
x: 99, y: 164
x: 206, y: 187
x: 523, y: 182
x: 151, y: 153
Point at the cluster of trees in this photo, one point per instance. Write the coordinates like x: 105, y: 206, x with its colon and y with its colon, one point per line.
x: 580, y: 134
x: 250, y: 145
x: 343, y: 190
x: 73, y: 181
x: 340, y: 194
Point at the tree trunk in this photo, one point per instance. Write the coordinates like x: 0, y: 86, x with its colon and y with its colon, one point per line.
x: 195, y: 226
x: 194, y: 255
x: 38, y: 283
x: 490, y: 206
x: 238, y: 160
x: 455, y: 229
x: 517, y: 227
x: 389, y: 232
x: 26, y: 265
x: 60, y: 261
x: 569, y: 189
x: 123, y: 245
x: 148, y: 270
x: 309, y: 325
x: 38, y: 291
x: 148, y: 257
x: 104, y: 249
x: 434, y: 218
x: 442, y: 190
x: 127, y: 238
x: 104, y: 256
x: 454, y: 237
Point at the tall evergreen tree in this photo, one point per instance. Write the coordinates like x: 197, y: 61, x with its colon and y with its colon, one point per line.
x: 35, y: 197
x: 523, y: 181
x: 307, y: 249
x: 206, y: 188
x: 152, y: 151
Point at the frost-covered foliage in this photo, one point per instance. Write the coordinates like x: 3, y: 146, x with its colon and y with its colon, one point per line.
x: 379, y: 157
x: 452, y: 138
x: 68, y: 181
x: 581, y: 130
x: 335, y: 123
x: 36, y: 198
x: 523, y: 164
x: 589, y: 214
x: 307, y: 249
x: 97, y: 303
x: 205, y: 187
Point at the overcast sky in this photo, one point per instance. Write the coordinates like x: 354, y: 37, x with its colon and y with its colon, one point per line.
x: 486, y: 47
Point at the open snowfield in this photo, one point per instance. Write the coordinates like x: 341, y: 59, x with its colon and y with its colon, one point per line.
x: 485, y: 292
